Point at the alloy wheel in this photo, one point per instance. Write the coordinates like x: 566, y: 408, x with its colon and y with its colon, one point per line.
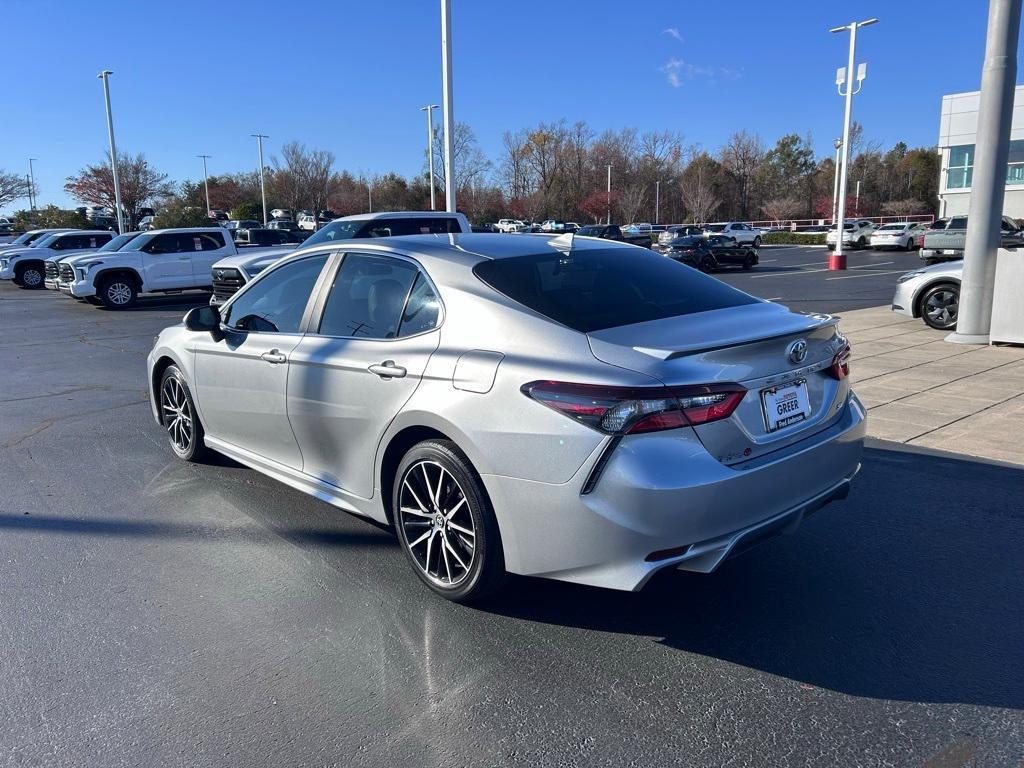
x: 119, y: 293
x: 177, y: 414
x: 437, y: 524
x: 31, y: 277
x: 941, y: 307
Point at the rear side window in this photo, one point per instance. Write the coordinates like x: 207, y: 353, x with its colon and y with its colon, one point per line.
x: 590, y: 290
x: 958, y: 222
x: 368, y: 298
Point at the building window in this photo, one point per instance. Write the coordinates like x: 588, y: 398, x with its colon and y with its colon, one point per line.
x: 961, y: 165
x: 1015, y: 167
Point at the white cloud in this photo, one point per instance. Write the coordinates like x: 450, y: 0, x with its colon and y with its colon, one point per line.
x: 673, y: 32
x: 677, y: 70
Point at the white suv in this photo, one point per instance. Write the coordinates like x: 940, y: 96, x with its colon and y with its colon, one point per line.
x: 856, y: 233
x: 510, y: 225
x: 742, y: 233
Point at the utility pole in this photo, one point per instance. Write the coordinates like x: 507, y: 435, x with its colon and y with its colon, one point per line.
x: 369, y: 194
x: 263, y: 188
x: 988, y: 184
x: 837, y: 260
x: 657, y: 201
x: 105, y: 77
x: 429, y: 109
x: 449, y: 110
x: 857, y: 198
x: 31, y: 184
x: 206, y: 181
x: 609, y: 219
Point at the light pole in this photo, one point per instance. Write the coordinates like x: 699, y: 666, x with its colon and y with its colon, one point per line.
x: 429, y: 109
x: 609, y: 219
x: 206, y: 181
x: 369, y: 194
x: 835, y: 184
x: 31, y: 184
x: 657, y: 201
x: 837, y: 260
x: 449, y: 113
x: 263, y: 188
x: 105, y: 77
x: 988, y: 184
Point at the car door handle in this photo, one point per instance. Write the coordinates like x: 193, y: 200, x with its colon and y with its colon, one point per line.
x: 273, y: 356
x: 388, y: 370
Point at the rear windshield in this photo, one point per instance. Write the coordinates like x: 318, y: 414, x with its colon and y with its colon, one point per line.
x: 590, y: 290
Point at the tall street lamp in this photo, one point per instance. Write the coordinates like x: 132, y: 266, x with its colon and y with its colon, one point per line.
x: 449, y: 110
x: 429, y: 109
x: 31, y: 183
x: 206, y: 181
x: 263, y: 188
x: 838, y: 143
x: 837, y: 260
x: 105, y: 77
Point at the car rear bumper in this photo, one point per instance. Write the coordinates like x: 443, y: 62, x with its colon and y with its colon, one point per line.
x: 663, y: 501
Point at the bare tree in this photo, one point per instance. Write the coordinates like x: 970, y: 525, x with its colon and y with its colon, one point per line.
x: 631, y: 202
x: 742, y: 156
x: 471, y: 165
x: 12, y: 187
x: 779, y: 209
x: 300, y: 178
x: 140, y: 184
x: 697, y: 188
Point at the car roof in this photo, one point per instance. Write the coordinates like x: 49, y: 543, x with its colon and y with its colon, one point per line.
x: 400, y: 215
x: 183, y: 229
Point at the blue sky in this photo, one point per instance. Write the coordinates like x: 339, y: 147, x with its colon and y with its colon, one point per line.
x: 200, y: 77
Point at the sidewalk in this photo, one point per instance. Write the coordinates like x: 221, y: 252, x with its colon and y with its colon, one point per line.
x: 927, y: 392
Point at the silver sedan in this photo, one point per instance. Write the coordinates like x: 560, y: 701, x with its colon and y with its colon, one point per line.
x: 561, y: 407
x: 931, y: 293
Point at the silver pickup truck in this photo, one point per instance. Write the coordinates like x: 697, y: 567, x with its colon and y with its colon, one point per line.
x: 946, y: 243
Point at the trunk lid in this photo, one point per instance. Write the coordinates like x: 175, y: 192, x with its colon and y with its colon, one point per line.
x: 750, y: 345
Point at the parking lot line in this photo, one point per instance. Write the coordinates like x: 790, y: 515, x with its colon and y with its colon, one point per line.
x: 869, y: 274
x: 876, y: 264
x: 790, y: 274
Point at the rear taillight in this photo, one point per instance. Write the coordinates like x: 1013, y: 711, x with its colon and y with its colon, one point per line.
x: 840, y: 368
x: 631, y: 410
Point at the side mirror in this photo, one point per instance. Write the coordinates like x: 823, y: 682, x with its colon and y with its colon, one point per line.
x: 204, y: 319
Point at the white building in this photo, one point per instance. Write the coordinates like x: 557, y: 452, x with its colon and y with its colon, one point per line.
x: 957, y: 131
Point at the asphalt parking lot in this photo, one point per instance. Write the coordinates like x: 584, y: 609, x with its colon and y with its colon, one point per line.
x: 160, y: 613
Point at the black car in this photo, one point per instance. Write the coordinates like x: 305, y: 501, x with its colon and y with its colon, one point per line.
x: 709, y: 253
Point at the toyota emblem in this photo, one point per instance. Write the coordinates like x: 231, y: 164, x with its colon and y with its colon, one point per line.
x: 797, y: 351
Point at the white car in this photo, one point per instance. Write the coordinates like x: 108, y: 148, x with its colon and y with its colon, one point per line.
x: 510, y: 225
x: 856, y: 233
x: 29, y: 238
x: 306, y: 221
x: 27, y: 266
x: 742, y: 233
x: 646, y: 228
x: 931, y: 293
x: 897, y: 235
x: 281, y: 213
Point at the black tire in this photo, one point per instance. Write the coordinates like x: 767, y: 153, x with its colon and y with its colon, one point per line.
x: 749, y: 261
x: 455, y: 517
x: 118, y: 291
x: 708, y: 263
x: 179, y: 417
x: 910, y: 244
x: 862, y: 243
x: 757, y: 242
x: 939, y: 306
x: 31, y: 276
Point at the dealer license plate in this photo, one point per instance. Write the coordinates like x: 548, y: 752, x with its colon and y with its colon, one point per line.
x: 785, y: 404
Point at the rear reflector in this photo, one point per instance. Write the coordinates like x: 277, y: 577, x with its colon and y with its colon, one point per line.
x: 632, y: 410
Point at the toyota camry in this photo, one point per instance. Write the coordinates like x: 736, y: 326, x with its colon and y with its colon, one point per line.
x: 561, y: 407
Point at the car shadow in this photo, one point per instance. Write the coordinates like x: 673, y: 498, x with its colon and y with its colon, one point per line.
x: 183, y: 301
x: 886, y: 595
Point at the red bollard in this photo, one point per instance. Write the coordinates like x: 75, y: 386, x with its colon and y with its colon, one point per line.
x: 836, y: 261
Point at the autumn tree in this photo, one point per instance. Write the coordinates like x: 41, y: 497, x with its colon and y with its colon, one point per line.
x: 300, y: 177
x: 471, y: 165
x: 13, y: 187
x: 140, y: 184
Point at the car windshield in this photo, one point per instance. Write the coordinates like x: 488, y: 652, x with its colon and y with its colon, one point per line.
x: 25, y: 239
x: 590, y: 290
x: 117, y: 243
x: 45, y: 241
x: 715, y: 228
x: 590, y: 230
x: 689, y: 240
x: 336, y: 230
